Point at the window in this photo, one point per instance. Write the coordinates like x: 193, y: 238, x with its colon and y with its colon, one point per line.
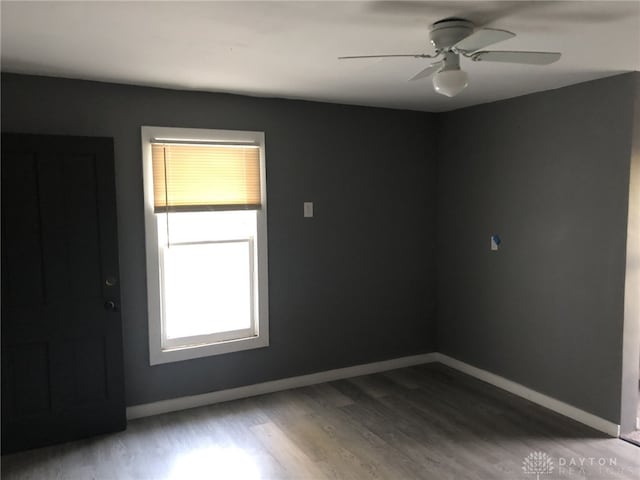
x: 206, y: 239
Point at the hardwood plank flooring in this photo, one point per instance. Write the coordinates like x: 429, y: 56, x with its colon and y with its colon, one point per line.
x: 425, y: 422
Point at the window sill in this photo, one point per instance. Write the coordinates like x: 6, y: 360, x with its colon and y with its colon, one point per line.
x: 177, y: 354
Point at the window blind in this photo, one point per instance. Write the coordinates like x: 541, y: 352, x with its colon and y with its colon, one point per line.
x: 201, y: 177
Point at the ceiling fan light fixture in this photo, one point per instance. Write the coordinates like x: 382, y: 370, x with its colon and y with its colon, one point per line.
x: 456, y: 37
x: 450, y: 82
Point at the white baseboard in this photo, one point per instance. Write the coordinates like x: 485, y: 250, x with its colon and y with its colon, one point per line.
x: 557, y: 406
x: 183, y: 403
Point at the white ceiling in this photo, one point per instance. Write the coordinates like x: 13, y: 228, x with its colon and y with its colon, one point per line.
x: 289, y: 49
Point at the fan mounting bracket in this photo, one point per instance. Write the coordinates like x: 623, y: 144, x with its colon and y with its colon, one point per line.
x: 446, y: 33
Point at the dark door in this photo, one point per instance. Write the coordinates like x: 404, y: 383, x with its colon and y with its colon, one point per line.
x: 62, y: 374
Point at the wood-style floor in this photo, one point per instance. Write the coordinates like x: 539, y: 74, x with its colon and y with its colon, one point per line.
x: 425, y: 422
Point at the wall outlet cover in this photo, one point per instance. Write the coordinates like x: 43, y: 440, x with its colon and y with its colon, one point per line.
x: 495, y: 242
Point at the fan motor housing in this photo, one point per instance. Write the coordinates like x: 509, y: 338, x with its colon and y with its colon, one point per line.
x: 450, y: 31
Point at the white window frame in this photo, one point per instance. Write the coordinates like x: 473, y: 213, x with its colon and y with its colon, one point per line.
x: 260, y: 337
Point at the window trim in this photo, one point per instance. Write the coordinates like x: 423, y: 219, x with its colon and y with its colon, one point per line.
x: 158, y: 355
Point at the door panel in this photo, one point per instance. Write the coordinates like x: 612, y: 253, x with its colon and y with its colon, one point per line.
x: 23, y: 265
x: 29, y: 375
x: 62, y: 373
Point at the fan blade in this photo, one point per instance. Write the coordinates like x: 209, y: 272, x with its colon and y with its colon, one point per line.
x: 481, y: 38
x: 406, y: 55
x: 530, y: 58
x: 427, y: 72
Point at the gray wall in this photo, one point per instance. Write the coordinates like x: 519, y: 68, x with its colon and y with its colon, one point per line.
x: 355, y: 284
x: 549, y: 173
x: 629, y: 405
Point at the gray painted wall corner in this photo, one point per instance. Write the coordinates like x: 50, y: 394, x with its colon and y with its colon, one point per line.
x: 549, y: 173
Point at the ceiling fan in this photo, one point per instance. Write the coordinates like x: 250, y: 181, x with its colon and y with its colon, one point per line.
x: 455, y: 37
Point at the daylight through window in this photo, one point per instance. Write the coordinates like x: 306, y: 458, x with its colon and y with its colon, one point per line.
x: 206, y: 241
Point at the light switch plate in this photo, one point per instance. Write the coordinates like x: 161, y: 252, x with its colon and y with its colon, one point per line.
x: 308, y: 209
